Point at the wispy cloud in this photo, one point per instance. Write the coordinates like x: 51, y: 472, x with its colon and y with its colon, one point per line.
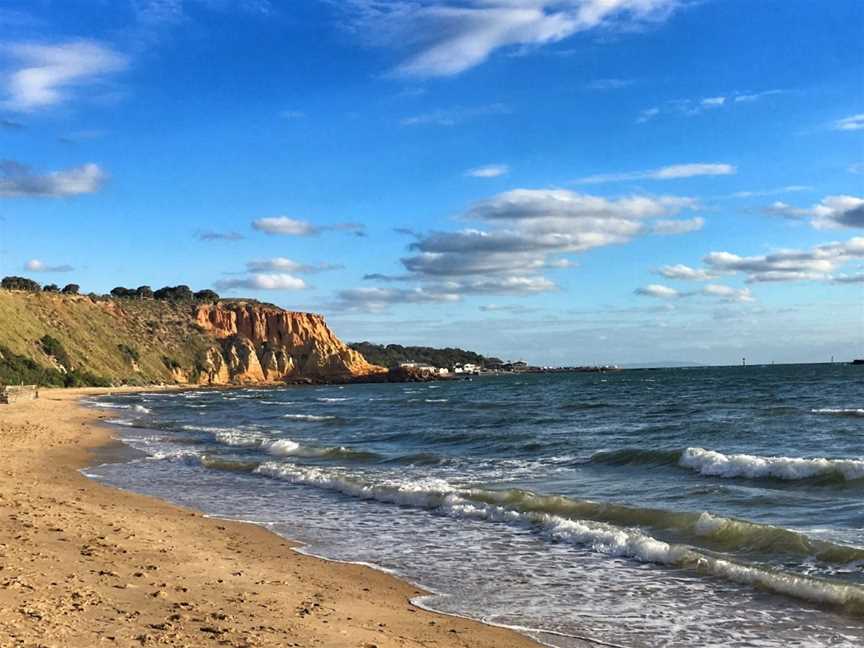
x: 685, y: 272
x: 282, y: 264
x: 698, y: 106
x: 771, y: 192
x: 261, y: 281
x: 454, y: 116
x: 11, y: 124
x: 448, y: 37
x: 208, y: 236
x: 680, y: 226
x: 488, y: 171
x: 832, y: 212
x: 816, y: 264
x: 292, y: 114
x: 284, y: 226
x: 45, y: 75
x: 610, y: 84
x: 719, y: 291
x: 18, y: 181
x: 671, y: 172
x: 35, y: 265
x: 852, y: 123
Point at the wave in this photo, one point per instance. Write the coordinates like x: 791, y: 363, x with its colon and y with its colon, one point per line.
x: 309, y: 417
x: 853, y: 412
x: 512, y: 507
x: 331, y: 400
x: 717, y: 464
x: 712, y: 463
x: 140, y: 409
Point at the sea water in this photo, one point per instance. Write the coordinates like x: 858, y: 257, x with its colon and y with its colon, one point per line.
x: 677, y: 507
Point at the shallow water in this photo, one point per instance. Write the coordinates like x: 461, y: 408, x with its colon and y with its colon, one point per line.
x: 711, y: 507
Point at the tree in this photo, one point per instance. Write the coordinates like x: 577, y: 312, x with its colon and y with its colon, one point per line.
x: 207, y: 296
x: 122, y: 292
x: 174, y: 293
x: 71, y: 289
x: 51, y: 288
x: 20, y: 283
x: 144, y: 292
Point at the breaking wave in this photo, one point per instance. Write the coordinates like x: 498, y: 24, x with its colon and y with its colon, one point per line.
x: 854, y: 412
x: 545, y: 515
x: 712, y: 463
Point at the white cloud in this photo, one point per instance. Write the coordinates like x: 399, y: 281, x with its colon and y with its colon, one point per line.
x: 857, y: 168
x: 832, y: 212
x: 815, y: 264
x: 647, y: 115
x: 374, y: 300
x: 685, y: 272
x: 659, y: 291
x: 284, y: 226
x: 35, y: 265
x: 852, y: 123
x: 531, y: 227
x: 727, y: 293
x: 692, y: 107
x: 447, y: 37
x: 282, y: 264
x: 45, y: 75
x: 771, y: 192
x: 672, y: 172
x: 18, y: 180
x: 682, y: 226
x: 260, y: 281
x: 488, y: 171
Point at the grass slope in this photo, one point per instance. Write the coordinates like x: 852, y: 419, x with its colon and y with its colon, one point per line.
x: 100, y: 337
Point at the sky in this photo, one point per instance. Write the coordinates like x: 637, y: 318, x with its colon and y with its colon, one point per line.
x: 559, y: 181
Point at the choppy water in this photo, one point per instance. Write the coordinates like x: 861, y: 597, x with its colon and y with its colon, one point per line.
x: 685, y: 507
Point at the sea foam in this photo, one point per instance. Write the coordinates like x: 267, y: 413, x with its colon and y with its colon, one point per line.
x: 717, y: 464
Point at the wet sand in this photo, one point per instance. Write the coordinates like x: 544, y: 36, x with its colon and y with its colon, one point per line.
x: 82, y: 564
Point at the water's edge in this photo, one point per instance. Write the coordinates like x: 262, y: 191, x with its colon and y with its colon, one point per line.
x: 126, y: 453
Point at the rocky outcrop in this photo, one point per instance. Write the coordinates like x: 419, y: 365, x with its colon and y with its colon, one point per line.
x: 254, y: 343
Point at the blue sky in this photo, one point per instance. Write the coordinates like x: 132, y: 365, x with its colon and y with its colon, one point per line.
x: 564, y: 181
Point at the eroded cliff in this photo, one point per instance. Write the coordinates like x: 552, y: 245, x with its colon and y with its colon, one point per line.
x: 141, y: 341
x: 261, y: 343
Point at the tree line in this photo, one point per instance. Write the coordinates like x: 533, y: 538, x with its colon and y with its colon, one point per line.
x: 168, y: 293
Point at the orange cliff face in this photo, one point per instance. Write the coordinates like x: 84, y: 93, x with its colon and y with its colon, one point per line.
x: 260, y: 343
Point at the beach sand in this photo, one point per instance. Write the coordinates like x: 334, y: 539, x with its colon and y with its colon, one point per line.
x: 82, y: 564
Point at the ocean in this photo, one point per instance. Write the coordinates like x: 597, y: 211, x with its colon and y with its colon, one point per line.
x: 673, y: 507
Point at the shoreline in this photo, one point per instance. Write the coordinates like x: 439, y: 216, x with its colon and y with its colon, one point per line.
x: 83, y: 564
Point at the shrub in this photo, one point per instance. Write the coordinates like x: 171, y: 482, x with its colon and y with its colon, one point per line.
x: 71, y: 289
x: 144, y: 292
x: 174, y: 293
x: 171, y: 363
x: 20, y: 283
x: 207, y: 296
x: 122, y: 292
x: 54, y: 348
x: 130, y: 353
x: 51, y: 288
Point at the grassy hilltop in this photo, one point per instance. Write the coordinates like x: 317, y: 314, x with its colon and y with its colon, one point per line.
x: 56, y: 339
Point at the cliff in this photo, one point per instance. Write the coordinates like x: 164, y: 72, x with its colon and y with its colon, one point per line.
x: 140, y: 341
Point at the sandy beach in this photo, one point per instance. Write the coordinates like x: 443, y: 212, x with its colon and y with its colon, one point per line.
x: 82, y: 564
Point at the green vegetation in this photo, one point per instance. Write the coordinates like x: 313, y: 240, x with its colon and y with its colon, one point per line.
x: 129, y: 352
x: 71, y: 289
x: 20, y: 283
x: 53, y: 347
x: 394, y: 354
x: 106, y: 340
x: 19, y: 370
